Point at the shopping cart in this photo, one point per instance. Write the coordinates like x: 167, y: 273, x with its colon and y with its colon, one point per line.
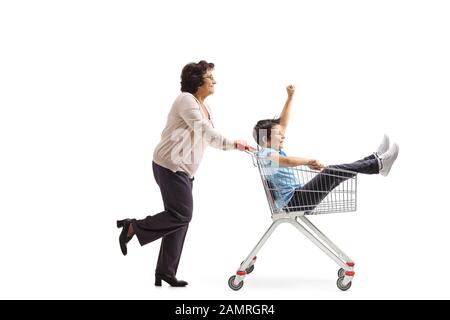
x: 327, y: 191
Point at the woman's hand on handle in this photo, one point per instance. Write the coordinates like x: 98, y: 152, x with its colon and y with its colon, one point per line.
x: 242, y: 145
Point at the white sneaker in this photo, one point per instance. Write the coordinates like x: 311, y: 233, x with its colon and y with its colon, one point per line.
x: 387, y: 159
x: 384, y: 146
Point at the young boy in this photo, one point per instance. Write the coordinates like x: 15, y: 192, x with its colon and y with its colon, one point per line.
x: 287, y: 190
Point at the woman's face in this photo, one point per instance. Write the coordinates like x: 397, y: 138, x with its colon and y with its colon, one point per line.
x: 208, y: 86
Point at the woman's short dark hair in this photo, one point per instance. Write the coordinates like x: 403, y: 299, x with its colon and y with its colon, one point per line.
x: 263, y: 129
x: 192, y: 75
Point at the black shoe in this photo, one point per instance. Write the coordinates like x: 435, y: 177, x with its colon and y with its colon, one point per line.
x: 124, y: 238
x: 174, y: 282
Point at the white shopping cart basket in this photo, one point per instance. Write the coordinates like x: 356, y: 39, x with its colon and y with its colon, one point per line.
x: 327, y: 191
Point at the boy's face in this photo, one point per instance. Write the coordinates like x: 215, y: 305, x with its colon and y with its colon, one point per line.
x: 277, y: 138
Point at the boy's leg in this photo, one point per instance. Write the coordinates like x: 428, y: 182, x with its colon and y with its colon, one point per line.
x: 368, y: 165
x: 372, y: 156
x: 312, y: 193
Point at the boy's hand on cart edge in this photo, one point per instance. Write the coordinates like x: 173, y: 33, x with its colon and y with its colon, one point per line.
x: 290, y: 89
x: 315, y: 165
x: 242, y: 145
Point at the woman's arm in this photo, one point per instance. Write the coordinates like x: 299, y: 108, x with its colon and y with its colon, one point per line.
x: 189, y: 111
x: 286, y: 113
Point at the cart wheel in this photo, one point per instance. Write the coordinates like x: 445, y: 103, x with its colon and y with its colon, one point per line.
x: 341, y: 272
x: 234, y: 287
x: 341, y: 286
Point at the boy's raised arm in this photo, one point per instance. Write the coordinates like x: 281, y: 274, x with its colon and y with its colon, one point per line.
x: 286, y: 113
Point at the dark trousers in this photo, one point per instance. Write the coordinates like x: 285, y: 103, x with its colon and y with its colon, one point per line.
x: 171, y: 224
x: 313, y: 192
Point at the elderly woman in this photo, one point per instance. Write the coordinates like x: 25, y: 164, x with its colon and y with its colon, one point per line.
x: 189, y: 130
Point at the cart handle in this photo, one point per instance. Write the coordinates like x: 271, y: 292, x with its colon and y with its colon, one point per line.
x: 253, y: 154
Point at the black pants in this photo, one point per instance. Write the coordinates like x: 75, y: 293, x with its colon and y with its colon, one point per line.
x: 171, y: 224
x: 329, y: 179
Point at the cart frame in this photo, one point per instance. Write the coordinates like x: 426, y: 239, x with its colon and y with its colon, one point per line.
x: 298, y: 219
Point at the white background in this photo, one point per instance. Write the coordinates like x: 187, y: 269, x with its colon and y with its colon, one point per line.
x: 85, y: 87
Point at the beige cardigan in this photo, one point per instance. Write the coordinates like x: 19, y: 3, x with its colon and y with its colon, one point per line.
x: 186, y: 135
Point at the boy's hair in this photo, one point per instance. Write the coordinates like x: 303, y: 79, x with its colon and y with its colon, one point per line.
x: 192, y: 75
x: 263, y: 129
